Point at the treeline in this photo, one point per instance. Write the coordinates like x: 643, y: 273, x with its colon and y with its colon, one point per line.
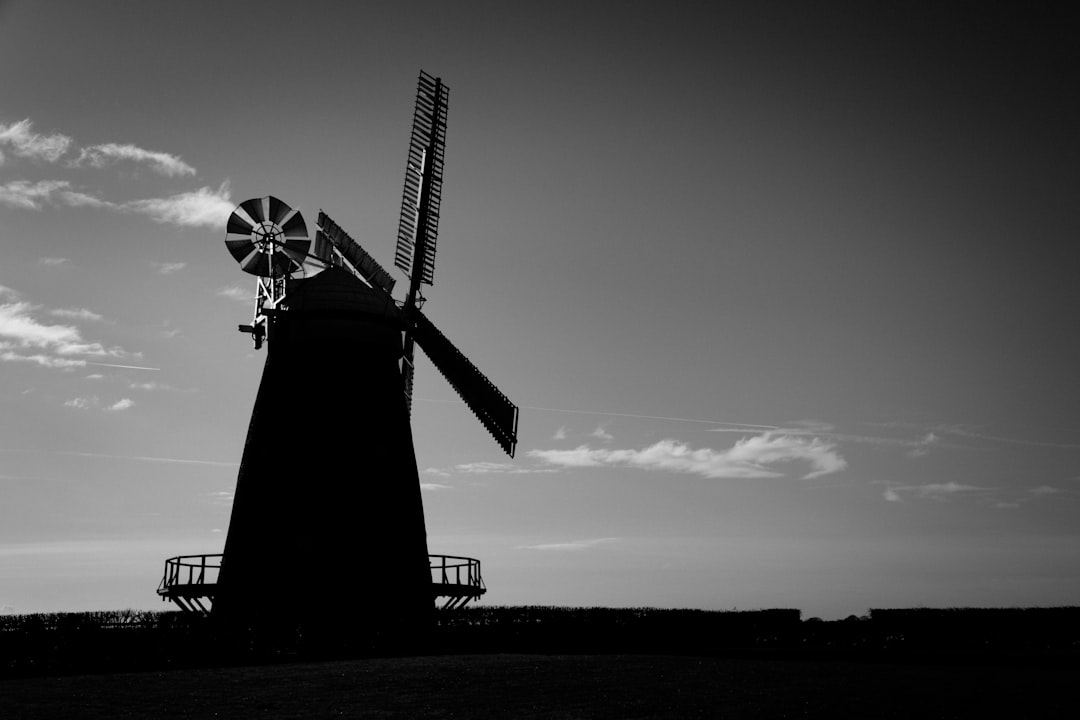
x: 60, y: 643
x: 614, y: 630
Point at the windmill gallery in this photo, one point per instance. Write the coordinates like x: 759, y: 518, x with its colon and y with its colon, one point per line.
x: 316, y: 534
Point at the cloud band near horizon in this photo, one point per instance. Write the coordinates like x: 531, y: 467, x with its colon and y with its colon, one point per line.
x: 753, y: 457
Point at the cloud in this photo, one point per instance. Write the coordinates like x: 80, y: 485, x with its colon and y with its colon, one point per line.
x: 137, y: 458
x: 52, y: 261
x: 23, y: 141
x: 1044, y: 490
x: 122, y: 404
x: 16, y: 323
x: 601, y: 434
x: 30, y: 196
x: 81, y: 403
x: 572, y: 546
x: 49, y: 345
x: 73, y: 198
x: 922, y: 447
x: 948, y: 488
x: 42, y: 360
x: 749, y: 458
x: 931, y: 491
x: 154, y: 386
x: 168, y: 268
x: 100, y: 156
x: 487, y: 468
x: 974, y: 433
x: 235, y: 292
x: 77, y: 314
x: 560, y: 434
x: 204, y: 207
x: 222, y: 498
x: 433, y: 487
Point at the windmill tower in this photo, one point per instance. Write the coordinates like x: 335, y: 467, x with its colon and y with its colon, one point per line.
x: 327, y: 523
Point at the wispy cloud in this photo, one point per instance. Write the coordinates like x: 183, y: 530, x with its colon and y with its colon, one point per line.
x: 86, y: 403
x: 221, y: 498
x: 42, y: 360
x: 601, y: 434
x: 77, y: 314
x: 943, y: 431
x: 433, y: 487
x: 204, y: 207
x: 52, y: 261
x: 135, y: 458
x: 31, y: 196
x: 572, y: 546
x: 967, y: 432
x: 168, y: 268
x: 154, y: 386
x: 237, y: 293
x: 931, y: 491
x: 488, y: 468
x: 753, y: 457
x: 100, y: 156
x: 922, y: 447
x: 21, y: 140
x: 560, y: 434
x: 25, y: 338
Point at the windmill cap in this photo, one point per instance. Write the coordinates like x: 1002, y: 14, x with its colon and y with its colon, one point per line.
x: 336, y: 291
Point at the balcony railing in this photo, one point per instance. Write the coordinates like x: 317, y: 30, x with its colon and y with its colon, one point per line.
x: 190, y: 581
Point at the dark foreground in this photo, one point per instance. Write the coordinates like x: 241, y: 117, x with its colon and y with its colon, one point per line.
x: 536, y: 662
x: 553, y: 686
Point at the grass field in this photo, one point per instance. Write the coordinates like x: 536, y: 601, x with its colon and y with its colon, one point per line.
x: 543, y: 662
x: 553, y: 686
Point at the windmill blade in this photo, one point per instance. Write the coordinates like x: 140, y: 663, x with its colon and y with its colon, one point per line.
x: 418, y: 225
x: 240, y: 248
x: 278, y: 210
x: 237, y: 225
x: 254, y: 209
x: 366, y: 265
x: 495, y: 411
x: 408, y: 369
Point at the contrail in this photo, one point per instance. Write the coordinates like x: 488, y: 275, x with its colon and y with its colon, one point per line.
x: 628, y: 415
x: 139, y: 458
x: 126, y: 367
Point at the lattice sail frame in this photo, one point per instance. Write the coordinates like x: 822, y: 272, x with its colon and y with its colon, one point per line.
x: 488, y: 403
x: 331, y: 237
x: 418, y: 226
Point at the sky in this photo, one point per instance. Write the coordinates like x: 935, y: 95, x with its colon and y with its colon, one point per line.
x: 785, y: 291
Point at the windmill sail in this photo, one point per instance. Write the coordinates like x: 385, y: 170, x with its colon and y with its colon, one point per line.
x: 418, y: 226
x: 491, y: 406
x: 331, y: 235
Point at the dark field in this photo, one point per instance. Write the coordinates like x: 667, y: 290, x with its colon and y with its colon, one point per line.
x: 553, y: 686
x: 543, y: 662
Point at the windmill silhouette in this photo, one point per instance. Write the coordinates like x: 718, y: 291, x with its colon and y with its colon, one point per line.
x: 327, y: 524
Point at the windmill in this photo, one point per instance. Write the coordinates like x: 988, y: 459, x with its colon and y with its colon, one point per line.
x: 327, y: 523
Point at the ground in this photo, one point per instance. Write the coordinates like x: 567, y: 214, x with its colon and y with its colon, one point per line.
x: 553, y: 686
